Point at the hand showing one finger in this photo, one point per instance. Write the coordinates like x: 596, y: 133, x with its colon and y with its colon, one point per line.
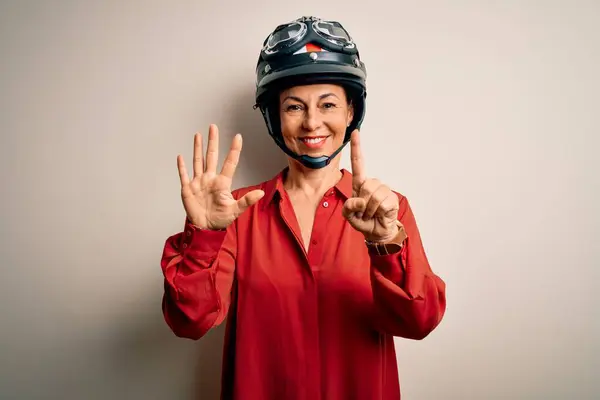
x: 373, y: 209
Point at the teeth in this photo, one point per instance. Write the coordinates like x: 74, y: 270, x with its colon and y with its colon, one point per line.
x: 313, y: 140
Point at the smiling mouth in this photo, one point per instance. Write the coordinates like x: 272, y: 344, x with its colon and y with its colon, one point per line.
x: 313, y: 140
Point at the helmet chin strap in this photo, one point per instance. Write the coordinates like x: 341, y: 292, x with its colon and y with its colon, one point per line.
x: 308, y: 161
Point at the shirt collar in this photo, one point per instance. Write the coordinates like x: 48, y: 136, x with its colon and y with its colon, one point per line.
x: 274, y: 188
x: 344, y: 186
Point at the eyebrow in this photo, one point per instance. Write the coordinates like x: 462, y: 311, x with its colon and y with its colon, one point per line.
x: 298, y: 99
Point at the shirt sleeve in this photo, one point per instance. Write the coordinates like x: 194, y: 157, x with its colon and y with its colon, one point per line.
x: 410, y: 299
x: 198, y: 267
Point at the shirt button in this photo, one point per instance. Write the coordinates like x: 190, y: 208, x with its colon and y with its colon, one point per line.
x: 325, y: 204
x: 188, y: 233
x: 314, y: 242
x: 185, y: 245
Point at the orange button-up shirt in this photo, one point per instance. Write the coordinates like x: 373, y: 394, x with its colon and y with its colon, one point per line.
x: 314, y: 325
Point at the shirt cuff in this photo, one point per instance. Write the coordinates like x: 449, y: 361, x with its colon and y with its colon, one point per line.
x: 205, y: 242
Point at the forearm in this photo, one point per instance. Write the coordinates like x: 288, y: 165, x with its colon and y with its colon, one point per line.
x: 198, y: 268
x: 410, y: 299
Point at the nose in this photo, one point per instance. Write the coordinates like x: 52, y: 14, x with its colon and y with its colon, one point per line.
x: 312, y: 119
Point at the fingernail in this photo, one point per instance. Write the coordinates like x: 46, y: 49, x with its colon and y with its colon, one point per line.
x: 359, y: 215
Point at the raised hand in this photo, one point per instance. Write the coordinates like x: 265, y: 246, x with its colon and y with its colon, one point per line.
x: 207, y: 198
x: 373, y: 209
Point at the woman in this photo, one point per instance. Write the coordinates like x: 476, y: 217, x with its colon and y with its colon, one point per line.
x: 317, y: 269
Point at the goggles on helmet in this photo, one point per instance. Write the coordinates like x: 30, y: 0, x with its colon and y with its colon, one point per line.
x: 327, y: 33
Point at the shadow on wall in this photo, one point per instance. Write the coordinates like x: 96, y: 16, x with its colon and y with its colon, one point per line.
x: 193, y: 368
x: 260, y: 160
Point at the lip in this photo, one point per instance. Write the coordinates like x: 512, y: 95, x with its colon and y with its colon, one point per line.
x: 313, y: 142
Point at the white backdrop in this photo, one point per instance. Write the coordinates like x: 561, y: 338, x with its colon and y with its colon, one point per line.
x: 484, y: 114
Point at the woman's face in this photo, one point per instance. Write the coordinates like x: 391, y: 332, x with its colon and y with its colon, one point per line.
x: 314, y: 118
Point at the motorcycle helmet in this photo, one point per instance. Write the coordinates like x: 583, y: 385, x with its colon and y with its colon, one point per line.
x: 307, y: 51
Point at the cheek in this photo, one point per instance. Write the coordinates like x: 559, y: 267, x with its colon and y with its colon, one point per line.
x: 339, y: 126
x: 289, y: 127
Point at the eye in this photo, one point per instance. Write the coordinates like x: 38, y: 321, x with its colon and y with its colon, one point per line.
x: 293, y: 107
x: 328, y: 106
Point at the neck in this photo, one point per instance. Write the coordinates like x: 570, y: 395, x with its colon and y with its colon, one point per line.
x: 312, y: 182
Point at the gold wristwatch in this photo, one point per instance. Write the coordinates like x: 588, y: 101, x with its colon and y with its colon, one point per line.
x: 391, y: 247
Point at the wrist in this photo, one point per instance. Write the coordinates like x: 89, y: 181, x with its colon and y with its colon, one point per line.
x: 386, y: 238
x: 389, y: 244
x: 203, y: 227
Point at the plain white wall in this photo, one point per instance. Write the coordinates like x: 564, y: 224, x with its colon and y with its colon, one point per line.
x: 485, y: 114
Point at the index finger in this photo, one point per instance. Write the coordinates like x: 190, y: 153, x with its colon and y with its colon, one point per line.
x: 358, y: 166
x: 183, y: 174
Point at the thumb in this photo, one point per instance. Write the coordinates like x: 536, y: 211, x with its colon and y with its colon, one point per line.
x: 248, y: 200
x: 353, y: 206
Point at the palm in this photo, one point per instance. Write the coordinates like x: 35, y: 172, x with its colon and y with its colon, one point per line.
x: 207, y: 198
x: 208, y: 201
